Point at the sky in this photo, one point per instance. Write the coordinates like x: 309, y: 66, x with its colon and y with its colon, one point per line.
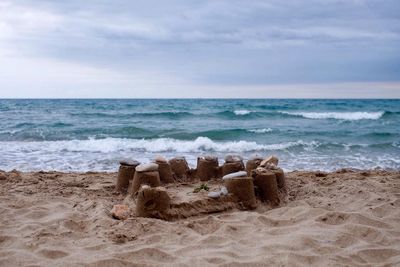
x: 210, y: 49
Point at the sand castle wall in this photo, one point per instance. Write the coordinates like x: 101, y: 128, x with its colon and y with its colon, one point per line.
x: 241, y: 191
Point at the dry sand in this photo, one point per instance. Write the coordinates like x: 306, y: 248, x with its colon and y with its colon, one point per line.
x: 345, y: 218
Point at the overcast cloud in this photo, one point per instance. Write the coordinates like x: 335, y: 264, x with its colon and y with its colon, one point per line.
x: 348, y: 48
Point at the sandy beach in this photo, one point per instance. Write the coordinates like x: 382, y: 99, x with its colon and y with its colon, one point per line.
x: 343, y: 218
x: 199, y: 133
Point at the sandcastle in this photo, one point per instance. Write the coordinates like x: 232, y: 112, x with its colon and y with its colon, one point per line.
x: 169, y: 189
x: 125, y: 174
x: 180, y: 168
x: 207, y: 168
x: 164, y: 170
x: 145, y: 174
x: 253, y: 163
x: 233, y: 163
x: 266, y: 185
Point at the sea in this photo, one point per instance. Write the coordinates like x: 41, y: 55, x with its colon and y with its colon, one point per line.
x: 79, y: 135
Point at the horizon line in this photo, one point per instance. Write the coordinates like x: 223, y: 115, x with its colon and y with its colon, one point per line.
x: 195, y: 98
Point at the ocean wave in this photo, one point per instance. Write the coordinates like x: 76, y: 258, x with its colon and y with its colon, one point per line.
x: 166, y: 114
x: 103, y: 154
x: 159, y: 145
x: 214, y: 134
x: 241, y: 112
x: 107, y: 145
x: 260, y: 131
x: 351, y: 116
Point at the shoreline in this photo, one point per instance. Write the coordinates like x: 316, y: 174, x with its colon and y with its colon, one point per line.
x: 337, y: 218
x: 339, y: 170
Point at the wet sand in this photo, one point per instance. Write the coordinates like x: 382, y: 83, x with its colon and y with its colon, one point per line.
x: 344, y: 218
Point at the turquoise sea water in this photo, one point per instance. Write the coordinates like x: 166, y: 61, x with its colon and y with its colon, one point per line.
x: 83, y: 135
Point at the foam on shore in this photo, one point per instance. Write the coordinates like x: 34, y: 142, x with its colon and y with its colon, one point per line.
x: 103, y: 154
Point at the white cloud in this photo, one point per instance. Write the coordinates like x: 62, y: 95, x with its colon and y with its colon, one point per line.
x: 188, y: 44
x: 19, y: 22
x: 32, y: 77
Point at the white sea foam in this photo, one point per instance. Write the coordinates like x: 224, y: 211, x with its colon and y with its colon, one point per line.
x: 109, y: 145
x: 263, y: 130
x: 242, y: 112
x: 104, y: 154
x: 352, y: 116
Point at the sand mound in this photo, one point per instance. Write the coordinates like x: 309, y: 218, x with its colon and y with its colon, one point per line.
x: 61, y: 219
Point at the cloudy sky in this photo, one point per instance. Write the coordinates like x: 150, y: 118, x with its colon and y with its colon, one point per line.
x: 187, y: 48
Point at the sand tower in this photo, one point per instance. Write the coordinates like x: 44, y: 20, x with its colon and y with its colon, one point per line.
x: 242, y: 187
x: 125, y: 174
x: 152, y: 202
x: 207, y: 168
x: 180, y: 168
x: 164, y: 170
x: 145, y: 174
x: 233, y: 163
x: 266, y: 185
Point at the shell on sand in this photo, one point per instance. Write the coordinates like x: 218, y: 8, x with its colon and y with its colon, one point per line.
x: 234, y: 175
x: 160, y: 159
x: 214, y: 194
x: 252, y: 164
x: 270, y: 160
x: 129, y: 162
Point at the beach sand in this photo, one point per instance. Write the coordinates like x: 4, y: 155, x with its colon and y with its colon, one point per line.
x: 344, y: 218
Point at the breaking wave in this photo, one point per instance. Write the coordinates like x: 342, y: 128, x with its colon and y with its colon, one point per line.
x: 103, y: 154
x: 242, y: 112
x: 108, y: 145
x: 260, y: 131
x: 351, y: 116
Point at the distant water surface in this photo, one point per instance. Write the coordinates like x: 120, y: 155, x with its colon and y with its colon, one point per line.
x: 83, y: 135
